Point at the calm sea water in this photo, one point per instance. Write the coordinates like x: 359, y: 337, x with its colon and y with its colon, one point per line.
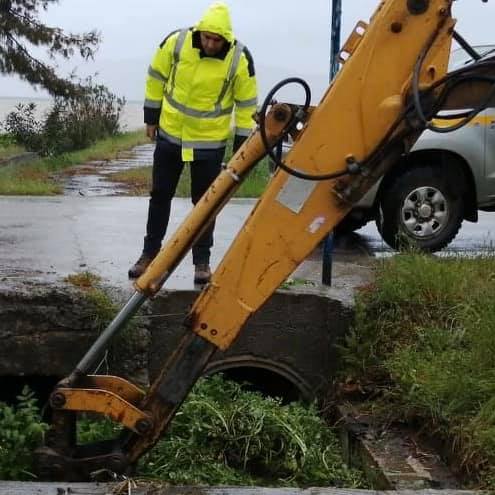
x: 131, y: 119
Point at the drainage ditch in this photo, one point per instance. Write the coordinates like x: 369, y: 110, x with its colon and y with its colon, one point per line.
x: 286, y: 350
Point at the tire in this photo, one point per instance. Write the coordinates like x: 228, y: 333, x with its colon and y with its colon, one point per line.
x: 350, y: 223
x: 421, y: 209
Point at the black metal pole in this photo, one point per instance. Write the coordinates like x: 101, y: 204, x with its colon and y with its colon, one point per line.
x: 466, y: 46
x: 335, y: 37
x: 326, y: 269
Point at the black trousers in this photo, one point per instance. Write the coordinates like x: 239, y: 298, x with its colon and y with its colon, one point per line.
x: 167, y: 169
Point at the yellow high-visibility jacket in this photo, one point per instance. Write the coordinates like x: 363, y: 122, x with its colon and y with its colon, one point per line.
x: 192, y: 96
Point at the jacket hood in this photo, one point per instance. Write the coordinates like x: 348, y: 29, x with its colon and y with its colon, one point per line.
x: 216, y: 20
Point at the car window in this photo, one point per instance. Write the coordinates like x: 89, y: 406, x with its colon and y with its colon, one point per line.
x: 459, y: 57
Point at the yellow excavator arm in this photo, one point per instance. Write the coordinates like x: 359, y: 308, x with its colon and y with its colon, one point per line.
x: 394, y: 80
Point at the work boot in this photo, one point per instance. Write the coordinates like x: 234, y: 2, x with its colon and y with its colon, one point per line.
x: 202, y: 273
x: 140, y: 266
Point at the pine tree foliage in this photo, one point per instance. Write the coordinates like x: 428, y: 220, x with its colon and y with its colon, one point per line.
x: 21, y: 30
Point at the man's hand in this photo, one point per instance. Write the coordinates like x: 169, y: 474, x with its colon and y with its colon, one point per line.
x: 151, y: 131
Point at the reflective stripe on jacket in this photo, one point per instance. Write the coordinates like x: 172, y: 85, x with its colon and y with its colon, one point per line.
x: 192, y: 97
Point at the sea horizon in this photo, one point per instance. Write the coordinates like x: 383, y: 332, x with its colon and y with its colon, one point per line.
x: 131, y: 117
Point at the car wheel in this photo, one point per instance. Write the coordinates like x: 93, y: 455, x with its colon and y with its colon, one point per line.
x: 420, y: 209
x: 350, y: 223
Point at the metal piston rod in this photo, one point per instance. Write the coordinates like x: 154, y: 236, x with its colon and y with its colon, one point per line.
x: 145, y: 416
x: 178, y: 246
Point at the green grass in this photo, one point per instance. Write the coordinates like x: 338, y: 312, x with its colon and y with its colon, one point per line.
x: 37, y: 178
x: 10, y: 150
x: 252, y: 186
x: 138, y: 181
x: 425, y: 339
x: 255, y: 183
x: 224, y: 435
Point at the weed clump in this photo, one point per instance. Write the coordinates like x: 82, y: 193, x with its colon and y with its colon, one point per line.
x: 21, y: 431
x: 84, y: 280
x: 423, y: 337
x: 226, y: 435
x: 222, y: 435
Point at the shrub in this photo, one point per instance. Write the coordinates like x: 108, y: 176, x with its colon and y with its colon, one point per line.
x: 24, y: 128
x: 72, y: 123
x: 6, y: 140
x: 21, y: 431
x: 77, y: 122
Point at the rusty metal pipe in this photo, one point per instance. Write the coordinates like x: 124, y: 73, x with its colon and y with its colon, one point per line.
x: 212, y: 202
x: 88, y: 362
x: 190, y: 230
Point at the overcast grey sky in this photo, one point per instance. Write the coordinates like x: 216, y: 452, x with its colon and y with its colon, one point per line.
x: 286, y: 37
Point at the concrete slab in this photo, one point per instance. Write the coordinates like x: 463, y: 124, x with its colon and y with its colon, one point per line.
x: 143, y: 488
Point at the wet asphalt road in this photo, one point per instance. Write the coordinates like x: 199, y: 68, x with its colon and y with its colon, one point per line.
x: 49, y: 238
x: 472, y: 239
x: 53, y: 237
x: 92, y: 228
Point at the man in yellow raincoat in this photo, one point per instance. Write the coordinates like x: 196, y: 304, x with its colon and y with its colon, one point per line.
x: 199, y: 78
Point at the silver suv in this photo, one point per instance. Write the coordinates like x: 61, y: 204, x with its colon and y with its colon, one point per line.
x: 445, y: 179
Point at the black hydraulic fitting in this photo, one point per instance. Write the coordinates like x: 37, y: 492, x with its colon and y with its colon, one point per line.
x: 418, y: 7
x: 57, y: 400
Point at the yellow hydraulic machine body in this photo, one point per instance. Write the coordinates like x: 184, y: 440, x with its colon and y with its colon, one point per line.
x: 392, y: 83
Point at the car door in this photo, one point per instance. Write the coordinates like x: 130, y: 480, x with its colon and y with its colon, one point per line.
x: 486, y: 190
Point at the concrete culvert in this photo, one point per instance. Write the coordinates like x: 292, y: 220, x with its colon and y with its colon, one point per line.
x: 268, y: 377
x: 291, y: 339
x: 286, y: 349
x: 46, y: 328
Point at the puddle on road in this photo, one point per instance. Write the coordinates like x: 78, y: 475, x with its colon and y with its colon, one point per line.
x: 92, y: 178
x: 9, y: 273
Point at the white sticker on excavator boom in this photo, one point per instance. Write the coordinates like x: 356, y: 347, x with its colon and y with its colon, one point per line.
x: 295, y: 193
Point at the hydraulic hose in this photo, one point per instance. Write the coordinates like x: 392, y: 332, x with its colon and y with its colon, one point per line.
x: 450, y: 81
x: 269, y: 148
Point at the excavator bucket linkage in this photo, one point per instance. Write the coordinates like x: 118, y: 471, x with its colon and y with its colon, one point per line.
x: 392, y: 84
